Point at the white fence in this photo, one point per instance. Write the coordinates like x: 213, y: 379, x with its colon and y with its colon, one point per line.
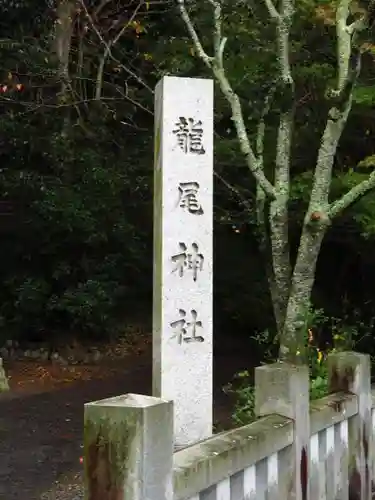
x: 295, y: 450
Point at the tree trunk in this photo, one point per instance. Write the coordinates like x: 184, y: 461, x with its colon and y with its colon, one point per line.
x: 291, y: 295
x: 279, y: 300
x: 63, y: 39
x: 279, y: 206
x: 293, y: 337
x: 279, y: 222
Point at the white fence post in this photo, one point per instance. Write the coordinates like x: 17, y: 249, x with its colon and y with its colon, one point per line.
x: 284, y: 389
x: 128, y: 448
x: 351, y: 372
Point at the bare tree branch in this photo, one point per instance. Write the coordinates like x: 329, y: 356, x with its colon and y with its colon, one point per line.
x: 349, y: 65
x: 242, y: 200
x: 344, y: 44
x: 193, y: 35
x: 219, y: 40
x: 352, y: 196
x: 216, y: 65
x: 261, y: 130
x: 109, y: 51
x: 272, y: 9
x: 339, y: 111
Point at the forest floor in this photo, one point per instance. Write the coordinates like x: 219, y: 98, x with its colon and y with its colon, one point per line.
x: 41, y: 417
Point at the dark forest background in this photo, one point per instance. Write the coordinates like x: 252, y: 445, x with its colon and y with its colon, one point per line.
x: 76, y: 167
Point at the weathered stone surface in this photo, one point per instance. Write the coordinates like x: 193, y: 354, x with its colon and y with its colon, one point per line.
x: 200, y: 466
x: 182, y: 312
x: 3, y: 379
x: 128, y: 444
x: 283, y: 389
x: 351, y: 372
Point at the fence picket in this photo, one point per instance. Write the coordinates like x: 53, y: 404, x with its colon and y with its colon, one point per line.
x: 314, y: 467
x: 272, y: 477
x: 223, y: 490
x: 249, y: 483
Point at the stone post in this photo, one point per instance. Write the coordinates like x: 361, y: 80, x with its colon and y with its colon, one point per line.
x: 284, y: 389
x: 351, y: 372
x: 183, y: 261
x: 4, y: 386
x: 128, y: 448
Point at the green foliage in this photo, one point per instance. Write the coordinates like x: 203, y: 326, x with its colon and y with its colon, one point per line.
x: 344, y: 335
x: 364, y: 95
x: 301, y: 187
x: 76, y: 248
x: 242, y: 386
x: 76, y: 177
x: 244, y: 393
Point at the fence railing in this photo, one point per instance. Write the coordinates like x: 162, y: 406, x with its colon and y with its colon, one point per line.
x: 295, y: 450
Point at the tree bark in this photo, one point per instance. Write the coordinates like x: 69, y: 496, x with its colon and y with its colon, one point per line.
x: 316, y: 223
x: 294, y: 333
x: 63, y: 39
x: 279, y: 215
x: 320, y: 212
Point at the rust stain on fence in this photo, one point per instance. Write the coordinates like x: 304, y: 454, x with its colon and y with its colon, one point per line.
x: 341, y: 380
x: 101, y: 480
x: 304, y: 473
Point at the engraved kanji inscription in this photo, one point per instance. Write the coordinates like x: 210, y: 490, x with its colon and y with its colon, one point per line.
x: 187, y: 331
x: 188, y: 198
x: 188, y: 260
x: 189, y: 135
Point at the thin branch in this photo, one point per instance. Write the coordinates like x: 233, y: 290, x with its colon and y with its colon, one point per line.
x: 262, y: 126
x: 237, y: 192
x: 126, y: 26
x: 193, y: 35
x: 356, y: 25
x: 350, y: 38
x: 357, y: 192
x: 31, y: 107
x: 101, y: 6
x: 348, y: 67
x: 216, y: 65
x: 347, y: 38
x: 97, y: 32
x: 132, y: 101
x: 107, y: 50
x: 344, y: 45
x: 99, y: 76
x: 362, y: 23
x: 272, y: 9
x: 219, y: 41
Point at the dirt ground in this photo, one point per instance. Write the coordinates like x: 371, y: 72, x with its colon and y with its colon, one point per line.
x: 41, y: 418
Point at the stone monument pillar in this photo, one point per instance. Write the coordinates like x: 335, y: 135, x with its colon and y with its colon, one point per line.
x: 182, y: 300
